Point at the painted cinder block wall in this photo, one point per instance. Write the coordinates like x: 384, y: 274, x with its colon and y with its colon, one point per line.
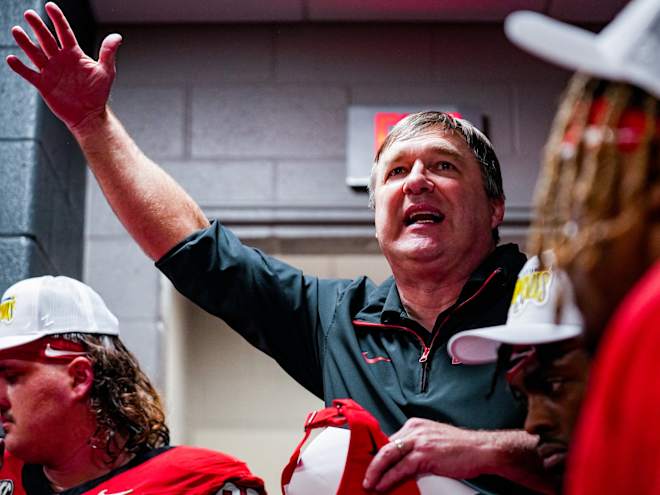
x: 42, y: 172
x: 251, y: 120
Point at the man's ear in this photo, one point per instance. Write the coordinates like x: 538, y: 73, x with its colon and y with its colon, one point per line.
x: 81, y: 377
x: 497, y: 212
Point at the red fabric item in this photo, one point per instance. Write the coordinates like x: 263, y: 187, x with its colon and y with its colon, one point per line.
x: 365, y: 435
x: 189, y: 470
x: 617, y: 443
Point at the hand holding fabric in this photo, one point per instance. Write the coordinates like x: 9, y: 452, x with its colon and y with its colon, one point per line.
x: 427, y: 447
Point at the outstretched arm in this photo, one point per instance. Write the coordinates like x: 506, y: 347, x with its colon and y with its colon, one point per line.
x: 423, y: 446
x: 155, y: 210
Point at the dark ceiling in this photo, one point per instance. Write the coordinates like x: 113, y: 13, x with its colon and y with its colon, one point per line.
x: 230, y: 11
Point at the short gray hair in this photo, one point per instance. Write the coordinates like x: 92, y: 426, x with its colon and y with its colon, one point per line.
x: 417, y: 123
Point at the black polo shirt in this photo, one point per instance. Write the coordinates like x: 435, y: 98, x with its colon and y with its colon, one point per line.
x: 352, y: 338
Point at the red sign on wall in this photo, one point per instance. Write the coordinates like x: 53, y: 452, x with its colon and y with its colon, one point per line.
x: 384, y: 121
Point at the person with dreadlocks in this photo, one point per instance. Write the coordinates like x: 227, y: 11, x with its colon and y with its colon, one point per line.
x: 598, y: 206
x: 80, y: 416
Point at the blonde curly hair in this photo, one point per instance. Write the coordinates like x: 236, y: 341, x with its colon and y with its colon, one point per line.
x: 129, y: 412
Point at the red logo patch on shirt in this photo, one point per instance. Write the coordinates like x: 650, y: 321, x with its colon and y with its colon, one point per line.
x: 374, y: 360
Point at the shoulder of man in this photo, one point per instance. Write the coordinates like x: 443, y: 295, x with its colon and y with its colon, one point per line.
x: 190, y: 470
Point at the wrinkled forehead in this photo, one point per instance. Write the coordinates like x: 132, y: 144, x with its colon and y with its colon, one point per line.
x: 434, y: 139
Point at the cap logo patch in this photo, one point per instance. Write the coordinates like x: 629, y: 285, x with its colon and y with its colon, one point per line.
x: 532, y: 287
x: 7, y: 309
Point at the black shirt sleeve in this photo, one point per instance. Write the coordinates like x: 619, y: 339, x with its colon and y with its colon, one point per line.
x: 273, y: 305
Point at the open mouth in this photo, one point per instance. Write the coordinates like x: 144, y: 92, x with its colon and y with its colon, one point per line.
x: 423, y: 215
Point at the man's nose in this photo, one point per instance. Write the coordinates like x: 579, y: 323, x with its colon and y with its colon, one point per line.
x: 417, y: 180
x: 540, y: 417
x: 4, y: 400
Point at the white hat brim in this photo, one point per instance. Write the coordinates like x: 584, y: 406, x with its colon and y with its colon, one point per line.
x: 480, y: 346
x: 565, y: 45
x: 12, y: 341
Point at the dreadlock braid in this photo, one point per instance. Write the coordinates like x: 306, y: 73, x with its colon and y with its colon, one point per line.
x: 547, y: 186
x: 592, y: 196
x: 592, y: 189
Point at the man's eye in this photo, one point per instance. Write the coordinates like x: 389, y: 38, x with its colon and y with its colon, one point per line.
x: 9, y: 378
x: 554, y: 386
x: 396, y: 171
x: 443, y: 166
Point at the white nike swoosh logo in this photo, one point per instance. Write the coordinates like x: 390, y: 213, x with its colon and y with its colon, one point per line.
x: 53, y: 353
x: 105, y: 492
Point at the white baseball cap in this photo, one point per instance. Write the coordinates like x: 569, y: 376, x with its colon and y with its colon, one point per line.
x: 532, y: 318
x: 627, y: 49
x: 37, y: 307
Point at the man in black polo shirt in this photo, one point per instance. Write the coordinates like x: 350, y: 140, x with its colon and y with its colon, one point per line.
x: 438, y: 200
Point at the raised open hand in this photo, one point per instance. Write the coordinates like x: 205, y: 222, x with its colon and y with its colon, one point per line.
x: 73, y: 85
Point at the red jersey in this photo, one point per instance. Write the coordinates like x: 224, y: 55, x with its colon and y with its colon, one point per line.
x: 166, y: 471
x: 617, y: 441
x: 10, y: 476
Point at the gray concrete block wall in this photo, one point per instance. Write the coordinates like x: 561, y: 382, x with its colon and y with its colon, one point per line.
x: 19, y: 102
x: 297, y: 120
x: 161, y: 133
x: 42, y: 191
x: 251, y: 119
x: 349, y: 54
x: 21, y: 258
